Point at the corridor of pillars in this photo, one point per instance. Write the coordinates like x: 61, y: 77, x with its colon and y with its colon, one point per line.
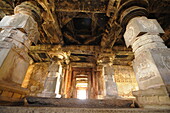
x: 100, y: 82
x: 87, y: 80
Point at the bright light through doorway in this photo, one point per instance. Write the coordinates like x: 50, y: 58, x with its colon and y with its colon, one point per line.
x: 81, y: 94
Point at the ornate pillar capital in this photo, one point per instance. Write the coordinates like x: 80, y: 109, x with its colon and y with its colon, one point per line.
x: 139, y: 26
x: 30, y: 8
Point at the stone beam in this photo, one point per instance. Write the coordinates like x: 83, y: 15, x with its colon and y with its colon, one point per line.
x: 83, y: 11
x: 50, y: 24
x: 95, y: 6
x: 80, y: 50
x: 110, y: 7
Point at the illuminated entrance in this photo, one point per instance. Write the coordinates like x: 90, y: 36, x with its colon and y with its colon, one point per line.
x: 82, y: 86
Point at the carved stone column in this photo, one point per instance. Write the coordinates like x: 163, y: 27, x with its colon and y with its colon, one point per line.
x: 110, y: 84
x: 17, y: 32
x: 151, y: 63
x: 53, y: 77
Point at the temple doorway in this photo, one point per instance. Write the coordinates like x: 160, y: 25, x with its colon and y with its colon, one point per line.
x: 82, y: 86
x: 81, y: 82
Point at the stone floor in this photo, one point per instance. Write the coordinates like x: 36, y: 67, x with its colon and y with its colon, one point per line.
x: 14, y: 109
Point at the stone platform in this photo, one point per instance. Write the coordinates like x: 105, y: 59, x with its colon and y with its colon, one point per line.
x: 7, y: 109
x: 54, y: 105
x: 78, y: 103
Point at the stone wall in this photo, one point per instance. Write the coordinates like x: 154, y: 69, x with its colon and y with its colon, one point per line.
x: 35, y: 78
x: 125, y: 80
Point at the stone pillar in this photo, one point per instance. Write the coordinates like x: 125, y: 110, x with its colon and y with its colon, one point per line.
x: 151, y: 63
x: 100, y: 81
x: 63, y: 80
x: 59, y: 81
x: 67, y: 81
x: 110, y: 84
x: 50, y: 84
x: 17, y: 32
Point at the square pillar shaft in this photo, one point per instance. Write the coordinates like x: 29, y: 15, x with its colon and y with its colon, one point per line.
x: 110, y: 85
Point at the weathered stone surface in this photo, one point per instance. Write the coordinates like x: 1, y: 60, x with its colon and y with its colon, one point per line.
x: 139, y: 26
x: 5, y: 109
x: 3, y: 53
x: 23, y: 22
x: 14, y: 67
x: 153, y: 97
x: 152, y: 68
x: 54, y: 67
x: 110, y: 85
x: 35, y: 78
x: 71, y: 102
x: 111, y: 89
x: 30, y: 8
x: 148, y: 46
x: 49, y: 87
x: 125, y: 80
x: 16, y: 37
x: 146, y: 39
x: 161, y: 57
x: 151, y: 63
x: 11, y: 93
x: 52, y: 82
x: 108, y: 70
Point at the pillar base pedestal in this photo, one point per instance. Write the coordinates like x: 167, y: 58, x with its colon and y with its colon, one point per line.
x: 153, y: 97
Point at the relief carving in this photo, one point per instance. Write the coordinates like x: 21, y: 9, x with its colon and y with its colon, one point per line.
x: 129, y: 35
x: 144, y: 71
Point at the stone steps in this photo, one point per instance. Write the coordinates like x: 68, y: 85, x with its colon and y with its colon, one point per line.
x: 19, y: 109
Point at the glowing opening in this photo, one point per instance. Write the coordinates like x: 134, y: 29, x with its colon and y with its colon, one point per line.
x: 81, y: 94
